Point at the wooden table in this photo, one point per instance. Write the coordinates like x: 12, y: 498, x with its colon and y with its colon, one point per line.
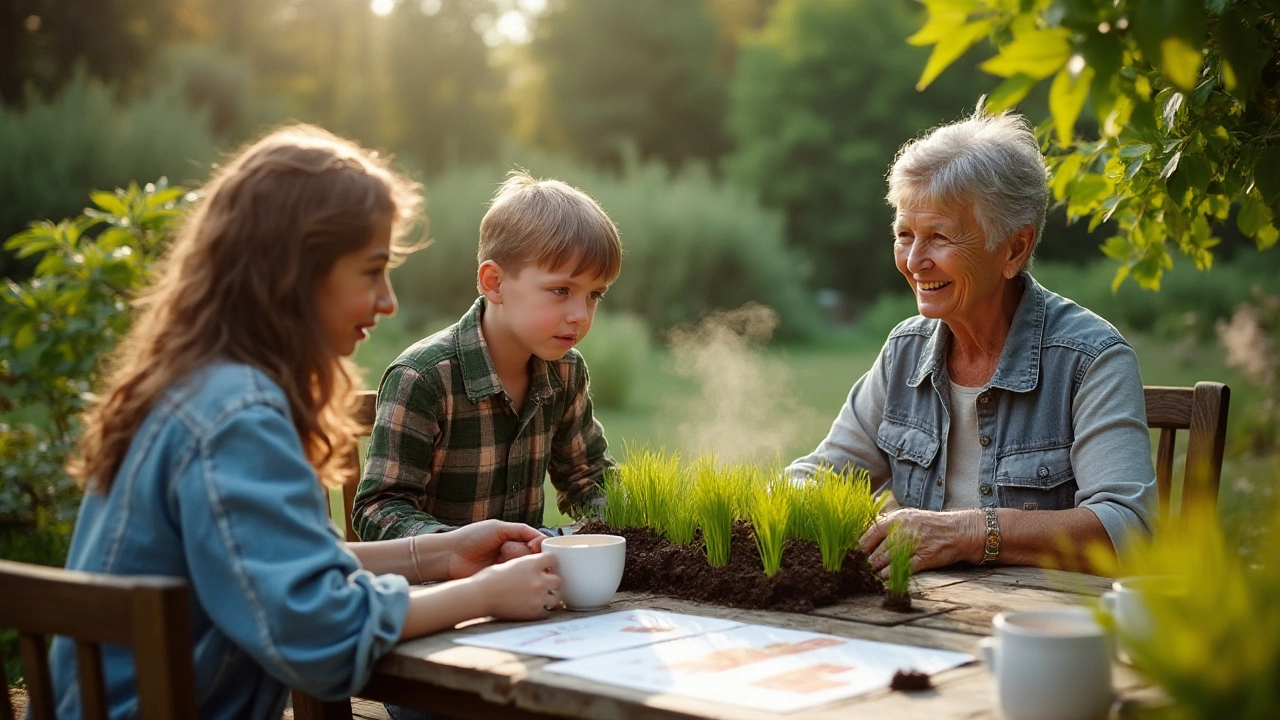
x: 954, y: 609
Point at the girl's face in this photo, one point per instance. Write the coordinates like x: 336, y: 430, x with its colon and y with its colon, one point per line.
x: 355, y: 292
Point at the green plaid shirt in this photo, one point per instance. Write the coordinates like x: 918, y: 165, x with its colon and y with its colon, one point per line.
x: 449, y: 449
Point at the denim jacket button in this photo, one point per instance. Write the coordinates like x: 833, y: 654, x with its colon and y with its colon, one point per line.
x: 984, y: 398
x: 985, y: 489
x: 1043, y: 472
x: 985, y: 440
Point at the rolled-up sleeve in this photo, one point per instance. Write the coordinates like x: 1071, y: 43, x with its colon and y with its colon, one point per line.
x: 268, y: 567
x: 1111, y: 454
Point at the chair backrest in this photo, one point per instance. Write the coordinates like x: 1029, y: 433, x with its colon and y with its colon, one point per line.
x: 365, y: 411
x: 1202, y: 411
x: 151, y: 614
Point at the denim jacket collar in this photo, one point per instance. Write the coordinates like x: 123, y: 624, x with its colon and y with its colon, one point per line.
x: 1019, y: 369
x: 478, y: 373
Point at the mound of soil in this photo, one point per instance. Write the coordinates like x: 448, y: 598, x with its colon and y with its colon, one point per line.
x: 801, y: 584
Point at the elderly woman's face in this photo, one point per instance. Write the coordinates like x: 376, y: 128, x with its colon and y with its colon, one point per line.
x: 942, y: 253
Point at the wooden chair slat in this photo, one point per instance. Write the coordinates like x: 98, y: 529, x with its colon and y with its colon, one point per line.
x: 365, y: 412
x: 149, y: 614
x: 35, y: 670
x: 93, y: 688
x: 1202, y: 412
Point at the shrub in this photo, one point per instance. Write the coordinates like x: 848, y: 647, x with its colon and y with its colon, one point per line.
x: 616, y: 350
x: 692, y: 243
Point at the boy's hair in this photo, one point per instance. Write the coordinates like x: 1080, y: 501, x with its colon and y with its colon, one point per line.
x: 239, y: 283
x: 547, y: 223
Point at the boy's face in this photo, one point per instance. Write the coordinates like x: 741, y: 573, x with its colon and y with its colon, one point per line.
x: 548, y: 311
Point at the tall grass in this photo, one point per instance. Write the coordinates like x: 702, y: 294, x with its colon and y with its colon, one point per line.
x: 714, y: 492
x: 840, y: 507
x: 902, y: 545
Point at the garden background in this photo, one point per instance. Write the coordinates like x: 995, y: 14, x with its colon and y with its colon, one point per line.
x: 739, y: 145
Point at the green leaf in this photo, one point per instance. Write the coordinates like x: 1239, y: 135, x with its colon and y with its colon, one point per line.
x: 1266, y: 174
x: 1267, y: 236
x: 1036, y: 53
x: 1116, y: 248
x: 1171, y: 165
x: 24, y: 337
x: 1253, y: 216
x: 1243, y: 53
x: 1009, y: 93
x: 1066, y: 99
x: 1064, y: 171
x: 945, y: 16
x: 1136, y: 150
x: 110, y: 203
x: 1171, y: 35
x: 1122, y: 272
x: 949, y: 49
x: 1087, y: 193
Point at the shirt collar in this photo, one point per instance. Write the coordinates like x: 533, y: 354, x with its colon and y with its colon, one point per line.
x: 1019, y: 368
x: 479, y: 376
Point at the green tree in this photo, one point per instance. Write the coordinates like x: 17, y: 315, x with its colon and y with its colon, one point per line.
x: 821, y: 101
x: 619, y: 72
x: 1185, y: 99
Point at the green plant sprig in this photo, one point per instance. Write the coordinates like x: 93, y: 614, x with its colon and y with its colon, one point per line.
x: 713, y: 499
x: 902, y: 545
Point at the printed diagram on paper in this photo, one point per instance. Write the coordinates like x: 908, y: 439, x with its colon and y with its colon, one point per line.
x: 761, y: 667
x: 598, y: 634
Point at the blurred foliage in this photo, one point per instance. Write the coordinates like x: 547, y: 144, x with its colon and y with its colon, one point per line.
x: 821, y: 101
x: 54, y: 330
x: 1214, y: 645
x: 643, y: 73
x: 691, y: 243
x: 56, y: 149
x: 1185, y: 97
x: 616, y: 350
x: 1251, y: 338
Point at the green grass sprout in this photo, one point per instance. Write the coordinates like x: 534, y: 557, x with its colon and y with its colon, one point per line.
x: 902, y: 545
x: 770, y: 511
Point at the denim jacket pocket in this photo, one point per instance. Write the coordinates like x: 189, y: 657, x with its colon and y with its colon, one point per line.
x: 1037, y: 480
x: 911, y: 452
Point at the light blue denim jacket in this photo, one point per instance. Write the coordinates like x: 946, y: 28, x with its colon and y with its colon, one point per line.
x: 215, y: 488
x: 1062, y: 423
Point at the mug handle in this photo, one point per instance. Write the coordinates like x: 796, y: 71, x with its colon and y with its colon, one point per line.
x: 990, y: 648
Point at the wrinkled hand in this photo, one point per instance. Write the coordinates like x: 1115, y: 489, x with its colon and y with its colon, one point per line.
x: 491, y: 542
x: 526, y: 588
x: 942, y: 538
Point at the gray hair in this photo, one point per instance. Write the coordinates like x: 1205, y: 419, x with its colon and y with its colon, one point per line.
x: 989, y: 161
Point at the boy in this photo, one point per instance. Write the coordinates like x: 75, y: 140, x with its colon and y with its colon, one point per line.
x: 471, y: 419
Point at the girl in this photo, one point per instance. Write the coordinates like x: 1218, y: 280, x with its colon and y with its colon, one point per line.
x: 225, y: 412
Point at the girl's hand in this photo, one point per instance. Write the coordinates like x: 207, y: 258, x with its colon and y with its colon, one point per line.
x: 526, y: 588
x: 942, y: 538
x: 479, y: 545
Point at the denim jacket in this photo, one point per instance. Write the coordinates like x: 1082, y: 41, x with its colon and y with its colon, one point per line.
x: 1061, y: 423
x: 216, y: 489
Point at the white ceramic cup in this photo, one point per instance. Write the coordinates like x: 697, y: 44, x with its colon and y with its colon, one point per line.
x: 1051, y: 663
x: 590, y: 566
x: 1126, y: 603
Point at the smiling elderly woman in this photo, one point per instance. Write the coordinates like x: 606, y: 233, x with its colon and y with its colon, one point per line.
x: 1008, y: 421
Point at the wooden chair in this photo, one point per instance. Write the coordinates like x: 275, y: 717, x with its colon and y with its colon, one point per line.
x: 1202, y: 411
x: 364, y: 414
x: 148, y: 613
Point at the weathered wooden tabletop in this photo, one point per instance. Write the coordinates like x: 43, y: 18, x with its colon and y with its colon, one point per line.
x: 954, y: 609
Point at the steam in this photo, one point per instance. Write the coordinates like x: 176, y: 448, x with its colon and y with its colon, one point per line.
x: 743, y: 407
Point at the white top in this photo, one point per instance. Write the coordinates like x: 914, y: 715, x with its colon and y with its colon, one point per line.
x: 963, y: 451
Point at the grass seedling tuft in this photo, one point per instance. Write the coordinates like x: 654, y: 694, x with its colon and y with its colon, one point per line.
x: 902, y: 545
x: 713, y: 495
x: 619, y: 507
x: 770, y: 511
x: 840, y: 508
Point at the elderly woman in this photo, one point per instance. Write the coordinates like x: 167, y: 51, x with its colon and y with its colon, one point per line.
x: 1008, y: 421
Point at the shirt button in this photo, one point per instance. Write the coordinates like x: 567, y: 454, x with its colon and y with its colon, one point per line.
x: 985, y: 440
x: 939, y: 483
x: 985, y: 489
x: 1043, y: 472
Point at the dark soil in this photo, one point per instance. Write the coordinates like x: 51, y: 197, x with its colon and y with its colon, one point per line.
x: 801, y: 584
x: 910, y: 680
x: 898, y: 603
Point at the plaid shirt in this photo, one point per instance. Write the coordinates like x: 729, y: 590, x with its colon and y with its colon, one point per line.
x: 449, y: 449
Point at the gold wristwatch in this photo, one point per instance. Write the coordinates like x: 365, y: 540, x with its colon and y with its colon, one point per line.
x: 991, y: 549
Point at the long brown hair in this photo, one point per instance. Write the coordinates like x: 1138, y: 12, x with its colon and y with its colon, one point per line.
x: 239, y: 283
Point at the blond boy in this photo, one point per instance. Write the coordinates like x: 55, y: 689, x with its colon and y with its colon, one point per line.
x: 471, y: 419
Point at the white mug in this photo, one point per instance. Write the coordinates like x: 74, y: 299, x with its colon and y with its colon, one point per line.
x: 1127, y: 603
x: 590, y: 567
x: 1051, y: 663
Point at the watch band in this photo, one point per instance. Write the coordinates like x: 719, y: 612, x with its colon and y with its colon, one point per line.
x: 991, y: 548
